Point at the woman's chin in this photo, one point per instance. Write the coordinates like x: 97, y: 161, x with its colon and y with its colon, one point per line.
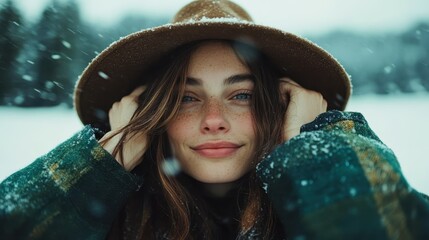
x: 216, y: 177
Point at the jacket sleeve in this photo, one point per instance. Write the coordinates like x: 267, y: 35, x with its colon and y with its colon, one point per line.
x: 337, y: 180
x: 73, y: 192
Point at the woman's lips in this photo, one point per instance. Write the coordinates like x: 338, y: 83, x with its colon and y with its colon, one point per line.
x: 216, y: 149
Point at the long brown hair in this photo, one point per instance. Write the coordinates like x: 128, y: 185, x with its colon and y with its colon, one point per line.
x: 166, y: 207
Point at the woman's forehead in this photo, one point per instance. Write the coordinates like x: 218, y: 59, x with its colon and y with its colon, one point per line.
x: 231, y: 80
x: 215, y: 58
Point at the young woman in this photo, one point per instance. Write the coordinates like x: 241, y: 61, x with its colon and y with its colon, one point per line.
x: 212, y: 135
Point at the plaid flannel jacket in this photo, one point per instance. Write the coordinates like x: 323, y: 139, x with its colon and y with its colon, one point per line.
x: 336, y: 180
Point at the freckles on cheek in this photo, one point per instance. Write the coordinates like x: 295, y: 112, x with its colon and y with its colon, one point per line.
x: 181, y: 127
x: 245, y: 118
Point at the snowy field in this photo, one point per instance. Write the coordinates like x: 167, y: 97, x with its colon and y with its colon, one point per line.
x: 402, y: 122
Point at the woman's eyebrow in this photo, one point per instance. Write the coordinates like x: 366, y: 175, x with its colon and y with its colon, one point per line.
x: 238, y: 78
x: 193, y: 81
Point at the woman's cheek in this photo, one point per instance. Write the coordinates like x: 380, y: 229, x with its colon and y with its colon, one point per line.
x: 242, y: 116
x: 181, y: 127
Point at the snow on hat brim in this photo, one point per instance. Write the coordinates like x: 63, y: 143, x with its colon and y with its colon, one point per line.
x: 121, y: 67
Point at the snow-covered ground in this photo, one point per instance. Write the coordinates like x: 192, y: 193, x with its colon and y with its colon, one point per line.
x: 402, y: 122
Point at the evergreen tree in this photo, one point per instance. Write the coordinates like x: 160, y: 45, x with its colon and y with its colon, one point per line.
x: 56, y: 71
x: 11, y: 40
x: 71, y: 38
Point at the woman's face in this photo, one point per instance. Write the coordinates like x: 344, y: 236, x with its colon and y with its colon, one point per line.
x: 213, y: 134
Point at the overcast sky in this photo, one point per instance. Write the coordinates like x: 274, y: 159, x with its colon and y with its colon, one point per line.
x: 301, y: 17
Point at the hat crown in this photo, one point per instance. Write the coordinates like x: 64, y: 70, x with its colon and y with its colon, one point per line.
x: 211, y: 9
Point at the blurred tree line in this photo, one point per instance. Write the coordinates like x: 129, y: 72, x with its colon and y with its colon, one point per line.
x: 40, y: 62
x: 384, y: 63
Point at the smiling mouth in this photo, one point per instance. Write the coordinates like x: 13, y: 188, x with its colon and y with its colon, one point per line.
x: 217, y: 149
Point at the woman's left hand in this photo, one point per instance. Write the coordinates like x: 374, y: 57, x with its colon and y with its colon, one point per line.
x: 120, y: 115
x: 303, y: 107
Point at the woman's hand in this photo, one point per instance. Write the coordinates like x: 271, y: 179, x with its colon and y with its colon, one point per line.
x: 119, y: 116
x: 303, y: 107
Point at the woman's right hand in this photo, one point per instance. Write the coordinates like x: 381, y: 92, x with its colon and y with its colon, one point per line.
x: 304, y: 106
x: 119, y: 116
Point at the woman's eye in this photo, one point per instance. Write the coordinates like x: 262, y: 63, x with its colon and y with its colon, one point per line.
x: 187, y: 99
x: 243, y: 96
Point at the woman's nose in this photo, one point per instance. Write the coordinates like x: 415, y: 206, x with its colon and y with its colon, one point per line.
x: 214, y: 120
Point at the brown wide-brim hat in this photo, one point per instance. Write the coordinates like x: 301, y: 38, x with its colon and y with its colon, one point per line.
x: 117, y: 70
